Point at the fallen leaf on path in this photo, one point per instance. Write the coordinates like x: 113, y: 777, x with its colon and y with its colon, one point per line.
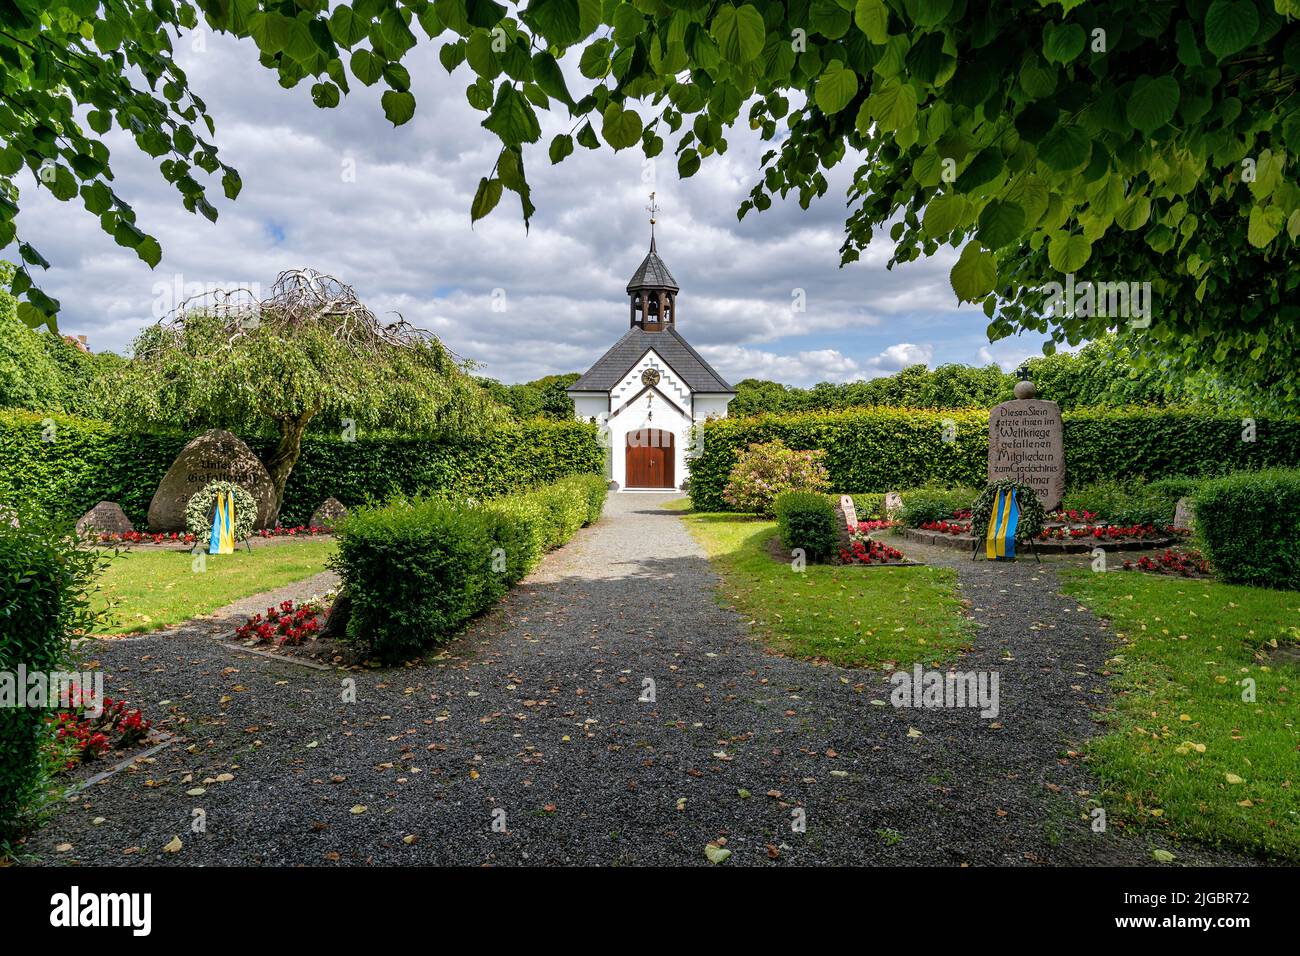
x: 716, y: 854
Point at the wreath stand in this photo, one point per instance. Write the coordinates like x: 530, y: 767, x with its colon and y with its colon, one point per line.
x: 975, y: 549
x: 246, y: 542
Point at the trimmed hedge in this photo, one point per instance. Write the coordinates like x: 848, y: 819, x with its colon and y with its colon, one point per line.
x: 808, y: 520
x: 416, y: 571
x: 1250, y: 526
x: 88, y: 462
x: 45, y: 581
x: 894, y: 448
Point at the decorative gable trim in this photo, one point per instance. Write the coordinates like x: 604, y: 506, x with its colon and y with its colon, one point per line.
x: 672, y: 387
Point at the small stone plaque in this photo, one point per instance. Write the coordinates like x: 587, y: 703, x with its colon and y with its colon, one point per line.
x: 849, y: 511
x: 1184, y: 514
x: 893, y: 504
x: 105, y: 516
x: 330, y: 512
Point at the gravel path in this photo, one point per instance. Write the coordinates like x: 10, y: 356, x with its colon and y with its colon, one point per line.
x: 526, y: 742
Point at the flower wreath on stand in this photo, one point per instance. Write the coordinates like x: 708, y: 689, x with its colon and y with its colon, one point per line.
x: 198, y: 511
x: 1032, y: 515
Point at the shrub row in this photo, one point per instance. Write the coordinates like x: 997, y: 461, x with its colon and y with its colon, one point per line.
x: 884, y: 449
x: 933, y: 503
x: 44, y: 585
x: 1128, y: 503
x: 63, y: 466
x: 808, y: 520
x: 417, y: 570
x: 1249, y: 524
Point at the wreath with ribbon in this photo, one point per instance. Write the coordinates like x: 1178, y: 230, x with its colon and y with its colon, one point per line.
x: 198, y: 511
x: 1032, y: 514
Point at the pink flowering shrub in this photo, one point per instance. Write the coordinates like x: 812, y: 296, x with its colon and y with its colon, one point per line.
x: 768, y: 469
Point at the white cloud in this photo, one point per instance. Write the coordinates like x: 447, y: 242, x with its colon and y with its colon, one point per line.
x: 902, y: 355
x: 736, y: 362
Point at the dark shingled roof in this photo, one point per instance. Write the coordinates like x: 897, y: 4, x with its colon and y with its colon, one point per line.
x: 652, y: 274
x: 610, y: 369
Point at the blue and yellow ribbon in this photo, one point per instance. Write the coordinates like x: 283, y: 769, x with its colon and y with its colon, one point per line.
x: 1000, y: 538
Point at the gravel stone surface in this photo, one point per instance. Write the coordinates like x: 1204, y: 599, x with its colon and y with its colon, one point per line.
x: 526, y: 740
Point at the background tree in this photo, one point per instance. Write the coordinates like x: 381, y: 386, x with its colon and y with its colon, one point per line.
x: 29, y: 377
x: 521, y: 401
x: 756, y: 395
x: 541, y: 398
x: 85, y: 378
x: 1101, y: 374
x: 311, y: 351
x: 555, y: 401
x: 1144, y: 141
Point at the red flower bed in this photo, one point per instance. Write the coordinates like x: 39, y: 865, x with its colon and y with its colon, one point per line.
x: 866, y: 527
x: 1181, y: 561
x: 85, y: 738
x: 962, y: 513
x: 1086, y: 517
x: 176, y: 537
x: 288, y: 624
x: 869, y: 552
x: 306, y: 530
x: 947, y: 527
x: 1108, y: 532
x: 145, y: 537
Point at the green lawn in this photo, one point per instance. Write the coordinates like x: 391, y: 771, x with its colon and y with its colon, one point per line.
x: 851, y: 616
x: 1184, y: 751
x: 146, y: 590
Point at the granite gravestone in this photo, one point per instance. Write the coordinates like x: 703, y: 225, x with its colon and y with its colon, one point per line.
x: 1026, y: 444
x: 330, y: 512
x: 215, y: 455
x: 105, y: 516
x: 1184, y: 514
x: 893, y: 505
x: 849, y: 511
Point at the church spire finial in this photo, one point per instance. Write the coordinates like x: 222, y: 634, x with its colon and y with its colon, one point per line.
x: 653, y: 209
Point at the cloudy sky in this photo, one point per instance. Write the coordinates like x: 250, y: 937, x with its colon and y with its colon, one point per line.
x: 387, y: 210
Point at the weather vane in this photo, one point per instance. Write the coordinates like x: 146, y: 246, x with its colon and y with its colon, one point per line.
x: 653, y: 208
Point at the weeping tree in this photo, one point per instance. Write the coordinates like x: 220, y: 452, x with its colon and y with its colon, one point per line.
x: 311, y: 352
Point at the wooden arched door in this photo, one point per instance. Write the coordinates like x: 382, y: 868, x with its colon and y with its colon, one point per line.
x: 650, y: 459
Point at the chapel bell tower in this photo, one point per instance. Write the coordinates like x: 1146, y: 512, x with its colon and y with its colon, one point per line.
x: 652, y: 290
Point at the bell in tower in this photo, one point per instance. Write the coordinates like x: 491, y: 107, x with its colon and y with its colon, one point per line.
x: 652, y: 288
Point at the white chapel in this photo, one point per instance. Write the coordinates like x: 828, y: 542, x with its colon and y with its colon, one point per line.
x: 650, y: 388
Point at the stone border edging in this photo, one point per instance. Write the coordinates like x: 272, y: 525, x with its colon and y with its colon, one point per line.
x: 277, y: 657
x: 89, y: 782
x: 966, y: 542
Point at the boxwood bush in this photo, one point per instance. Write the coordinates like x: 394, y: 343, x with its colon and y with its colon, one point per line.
x: 417, y: 570
x: 1249, y: 524
x: 808, y: 520
x: 45, y: 582
x: 931, y: 503
x: 893, y: 448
